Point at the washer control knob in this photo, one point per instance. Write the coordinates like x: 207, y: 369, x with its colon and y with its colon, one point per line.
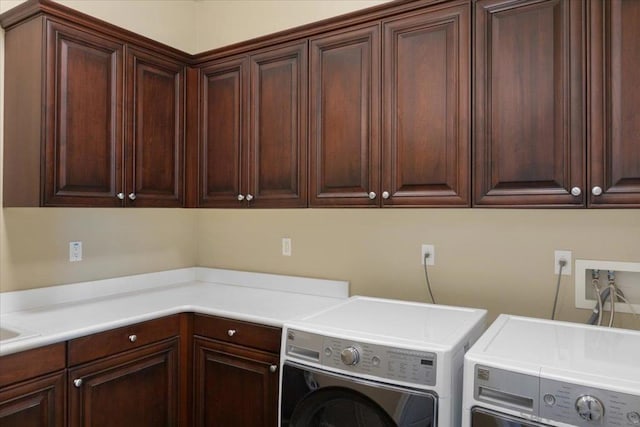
x: 328, y: 352
x: 634, y: 418
x: 589, y: 408
x: 350, y: 356
x: 549, y: 399
x: 375, y: 361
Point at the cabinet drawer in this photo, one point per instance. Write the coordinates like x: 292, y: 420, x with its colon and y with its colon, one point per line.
x: 238, y: 332
x: 31, y: 363
x: 114, y: 341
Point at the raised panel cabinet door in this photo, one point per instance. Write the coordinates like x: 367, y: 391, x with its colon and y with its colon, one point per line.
x: 138, y: 388
x: 344, y: 149
x: 155, y: 130
x: 83, y: 132
x: 39, y: 402
x: 425, y: 108
x: 278, y: 128
x: 614, y: 117
x: 529, y: 103
x: 234, y: 386
x: 223, y: 134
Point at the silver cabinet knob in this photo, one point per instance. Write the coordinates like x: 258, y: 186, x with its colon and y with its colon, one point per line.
x: 77, y: 382
x: 249, y: 197
x: 576, y: 191
x: 273, y: 368
x: 120, y: 196
x: 596, y: 191
x: 385, y: 195
x: 372, y: 195
x: 132, y: 196
x: 133, y: 338
x: 240, y: 197
x: 231, y: 332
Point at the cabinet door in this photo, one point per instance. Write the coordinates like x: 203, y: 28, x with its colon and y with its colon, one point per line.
x: 426, y: 145
x: 223, y: 134
x: 155, y: 130
x: 234, y: 386
x: 138, y: 388
x: 83, y: 131
x: 345, y: 103
x: 615, y: 103
x: 35, y: 403
x: 528, y: 106
x: 278, y: 127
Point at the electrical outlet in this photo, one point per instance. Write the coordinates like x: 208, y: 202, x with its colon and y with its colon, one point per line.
x: 75, y: 251
x: 428, y: 249
x: 286, y: 246
x: 562, y: 255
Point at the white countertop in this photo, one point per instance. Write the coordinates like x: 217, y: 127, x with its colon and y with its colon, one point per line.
x: 59, y: 313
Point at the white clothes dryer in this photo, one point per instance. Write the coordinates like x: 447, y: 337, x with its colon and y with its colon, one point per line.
x: 533, y: 372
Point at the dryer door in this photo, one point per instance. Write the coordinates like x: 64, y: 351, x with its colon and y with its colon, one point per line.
x: 313, y: 398
x: 485, y: 418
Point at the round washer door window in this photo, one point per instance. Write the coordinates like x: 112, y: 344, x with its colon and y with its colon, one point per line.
x: 339, y: 407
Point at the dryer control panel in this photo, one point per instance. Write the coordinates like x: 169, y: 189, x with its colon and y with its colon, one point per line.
x: 545, y: 400
x: 408, y: 366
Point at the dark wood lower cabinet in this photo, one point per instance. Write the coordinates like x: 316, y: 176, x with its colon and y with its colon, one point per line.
x: 32, y: 388
x: 38, y: 402
x: 234, y: 385
x: 137, y: 388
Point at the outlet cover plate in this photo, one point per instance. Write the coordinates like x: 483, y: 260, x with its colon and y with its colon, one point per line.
x: 428, y: 249
x: 565, y: 255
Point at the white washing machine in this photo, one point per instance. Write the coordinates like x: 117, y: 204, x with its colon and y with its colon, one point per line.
x: 376, y: 363
x: 532, y: 372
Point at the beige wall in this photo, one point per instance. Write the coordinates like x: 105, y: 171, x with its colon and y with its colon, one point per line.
x: 501, y: 260
x: 223, y: 22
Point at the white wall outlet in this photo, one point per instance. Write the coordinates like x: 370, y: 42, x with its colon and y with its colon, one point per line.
x: 562, y: 255
x: 286, y: 246
x: 75, y: 251
x: 428, y: 249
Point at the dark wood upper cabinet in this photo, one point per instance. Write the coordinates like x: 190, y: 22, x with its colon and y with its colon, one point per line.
x: 83, y: 132
x: 529, y: 139
x: 253, y: 138
x: 223, y: 133
x: 91, y: 118
x: 344, y: 165
x: 155, y: 130
x: 422, y: 100
x: 278, y: 128
x: 425, y: 108
x: 614, y: 115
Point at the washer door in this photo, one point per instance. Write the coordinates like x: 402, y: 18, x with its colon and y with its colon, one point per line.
x: 486, y: 418
x: 337, y: 406
x: 312, y: 397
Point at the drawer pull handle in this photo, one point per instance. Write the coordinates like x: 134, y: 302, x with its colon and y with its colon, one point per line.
x: 133, y: 338
x: 77, y: 382
x: 231, y: 332
x: 273, y: 368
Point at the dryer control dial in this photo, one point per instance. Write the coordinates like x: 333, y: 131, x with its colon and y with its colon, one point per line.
x: 350, y: 356
x: 589, y: 408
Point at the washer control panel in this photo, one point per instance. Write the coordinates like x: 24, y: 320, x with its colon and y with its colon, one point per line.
x: 409, y: 366
x: 545, y: 400
x: 587, y: 406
